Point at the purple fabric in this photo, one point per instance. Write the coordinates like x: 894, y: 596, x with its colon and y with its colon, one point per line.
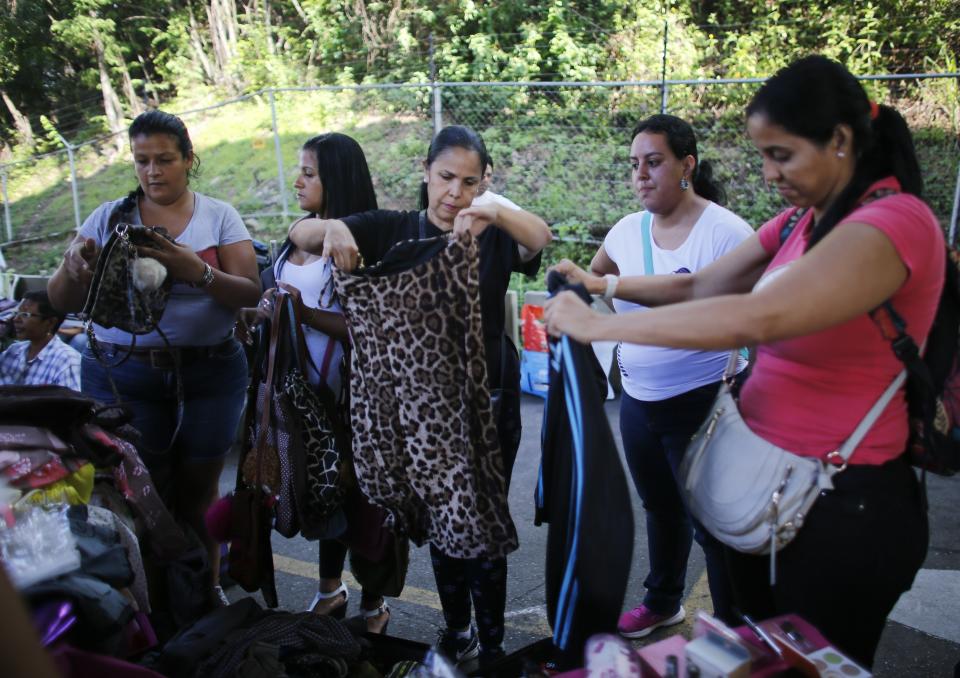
x: 51, y: 620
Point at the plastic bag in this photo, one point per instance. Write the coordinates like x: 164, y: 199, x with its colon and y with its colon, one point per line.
x: 39, y: 546
x: 435, y: 665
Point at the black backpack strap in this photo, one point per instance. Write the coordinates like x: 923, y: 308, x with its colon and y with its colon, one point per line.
x: 894, y: 329
x: 791, y: 223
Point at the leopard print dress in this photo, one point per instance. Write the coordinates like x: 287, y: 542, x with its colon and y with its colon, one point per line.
x: 425, y: 445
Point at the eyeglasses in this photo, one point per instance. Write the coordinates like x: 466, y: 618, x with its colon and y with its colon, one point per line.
x: 26, y: 314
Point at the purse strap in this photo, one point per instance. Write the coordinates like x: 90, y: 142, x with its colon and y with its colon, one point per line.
x: 646, y: 227
x: 268, y: 391
x: 845, y: 451
x: 295, y: 342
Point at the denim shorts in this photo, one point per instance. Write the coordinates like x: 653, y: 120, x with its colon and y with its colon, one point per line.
x: 214, y: 390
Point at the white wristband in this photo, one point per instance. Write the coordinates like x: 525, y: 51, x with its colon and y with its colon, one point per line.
x: 612, y: 281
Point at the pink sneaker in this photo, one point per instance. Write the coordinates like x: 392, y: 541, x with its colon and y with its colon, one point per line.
x: 642, y: 621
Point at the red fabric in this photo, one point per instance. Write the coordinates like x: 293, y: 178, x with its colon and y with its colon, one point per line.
x: 808, y: 394
x: 211, y: 256
x: 534, y: 331
x: 30, y: 469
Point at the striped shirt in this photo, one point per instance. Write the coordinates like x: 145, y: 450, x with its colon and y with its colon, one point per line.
x: 56, y: 363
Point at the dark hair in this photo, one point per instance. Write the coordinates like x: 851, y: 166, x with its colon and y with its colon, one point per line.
x: 813, y: 95
x: 489, y: 163
x: 454, y: 136
x: 159, y: 122
x: 683, y: 142
x: 347, y: 186
x: 45, y: 308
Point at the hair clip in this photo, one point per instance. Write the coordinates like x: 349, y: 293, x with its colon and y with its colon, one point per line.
x: 874, y: 110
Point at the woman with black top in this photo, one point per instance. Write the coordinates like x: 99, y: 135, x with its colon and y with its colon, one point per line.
x: 509, y: 240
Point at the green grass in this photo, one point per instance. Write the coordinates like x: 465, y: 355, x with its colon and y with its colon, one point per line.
x: 562, y: 156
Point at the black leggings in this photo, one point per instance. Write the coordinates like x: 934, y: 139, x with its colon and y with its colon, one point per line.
x: 333, y: 556
x: 858, y: 551
x: 484, y: 580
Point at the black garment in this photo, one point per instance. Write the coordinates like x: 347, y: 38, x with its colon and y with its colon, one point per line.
x: 194, y: 643
x: 102, y: 610
x: 101, y: 553
x: 582, y: 493
x: 859, y: 550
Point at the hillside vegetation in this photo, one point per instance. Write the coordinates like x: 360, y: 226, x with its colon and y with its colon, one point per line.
x: 84, y: 68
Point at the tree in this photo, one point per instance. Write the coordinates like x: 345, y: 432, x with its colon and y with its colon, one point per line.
x: 87, y: 31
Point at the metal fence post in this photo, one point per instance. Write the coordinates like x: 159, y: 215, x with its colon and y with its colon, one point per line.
x: 6, y: 206
x: 437, y: 106
x: 956, y: 207
x: 281, y: 179
x: 663, y: 69
x: 437, y: 111
x: 73, y: 177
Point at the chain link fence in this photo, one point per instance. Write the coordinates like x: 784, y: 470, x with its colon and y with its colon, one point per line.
x: 560, y: 150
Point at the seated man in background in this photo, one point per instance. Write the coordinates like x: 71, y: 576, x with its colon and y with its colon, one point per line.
x: 40, y: 357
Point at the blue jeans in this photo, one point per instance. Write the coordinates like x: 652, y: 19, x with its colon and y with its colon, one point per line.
x: 214, y: 390
x: 655, y: 435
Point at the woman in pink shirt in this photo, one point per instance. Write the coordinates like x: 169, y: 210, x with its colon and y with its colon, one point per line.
x: 865, y: 237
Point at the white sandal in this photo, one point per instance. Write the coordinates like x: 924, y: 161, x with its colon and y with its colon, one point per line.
x: 383, y: 608
x: 338, y: 612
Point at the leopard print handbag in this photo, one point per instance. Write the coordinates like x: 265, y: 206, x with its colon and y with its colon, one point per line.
x: 322, y: 493
x: 116, y: 297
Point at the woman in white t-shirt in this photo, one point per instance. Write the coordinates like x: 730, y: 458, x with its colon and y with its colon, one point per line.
x: 666, y: 391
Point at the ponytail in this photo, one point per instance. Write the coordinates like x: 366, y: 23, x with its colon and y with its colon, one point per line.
x: 705, y: 185
x: 130, y: 203
x: 890, y: 153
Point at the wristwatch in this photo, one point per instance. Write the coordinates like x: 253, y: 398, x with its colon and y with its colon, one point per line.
x: 612, y: 281
x: 206, y: 279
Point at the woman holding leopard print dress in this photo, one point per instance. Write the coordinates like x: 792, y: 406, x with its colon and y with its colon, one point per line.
x: 509, y: 240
